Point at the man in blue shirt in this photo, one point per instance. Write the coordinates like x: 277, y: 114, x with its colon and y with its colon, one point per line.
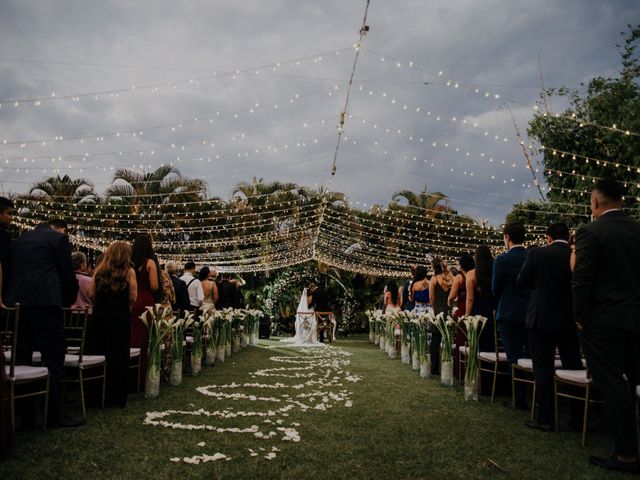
x: 512, y: 300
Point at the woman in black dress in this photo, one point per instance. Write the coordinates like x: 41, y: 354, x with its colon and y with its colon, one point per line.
x: 114, y: 292
x: 480, y: 299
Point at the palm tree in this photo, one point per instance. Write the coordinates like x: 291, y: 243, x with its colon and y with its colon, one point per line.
x: 65, y: 190
x: 431, y: 203
x: 163, y: 185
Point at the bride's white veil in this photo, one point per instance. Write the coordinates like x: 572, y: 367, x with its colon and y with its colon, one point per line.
x: 303, y: 306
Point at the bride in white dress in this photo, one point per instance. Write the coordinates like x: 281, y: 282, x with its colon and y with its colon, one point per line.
x: 306, y: 325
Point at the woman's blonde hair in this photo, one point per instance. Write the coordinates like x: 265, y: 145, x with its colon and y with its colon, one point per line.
x: 441, y: 267
x: 112, y: 272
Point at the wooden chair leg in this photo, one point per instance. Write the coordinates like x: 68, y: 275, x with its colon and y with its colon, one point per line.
x: 555, y: 399
x: 84, y: 412
x: 495, y: 380
x: 585, y: 416
x: 104, y: 383
x: 533, y: 401
x: 46, y: 405
x: 513, y: 387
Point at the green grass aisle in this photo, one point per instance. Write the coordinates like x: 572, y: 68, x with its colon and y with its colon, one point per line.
x: 373, y: 418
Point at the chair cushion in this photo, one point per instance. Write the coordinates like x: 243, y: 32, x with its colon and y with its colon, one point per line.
x: 87, y: 360
x: 463, y: 349
x: 189, y: 339
x: 527, y: 363
x: 24, y: 372
x: 638, y: 391
x: 577, y: 376
x: 491, y: 356
x: 134, y: 352
x: 35, y: 358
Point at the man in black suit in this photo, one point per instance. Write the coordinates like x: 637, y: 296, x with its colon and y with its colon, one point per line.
x: 43, y: 281
x: 228, y: 293
x: 606, y: 306
x: 549, y: 321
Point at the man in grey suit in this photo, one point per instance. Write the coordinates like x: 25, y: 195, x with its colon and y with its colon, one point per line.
x: 606, y: 305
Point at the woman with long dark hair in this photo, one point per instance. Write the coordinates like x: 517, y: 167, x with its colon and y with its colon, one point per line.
x: 480, y: 299
x: 146, y: 269
x: 114, y: 290
x: 209, y: 288
x: 419, y: 292
x: 392, y: 300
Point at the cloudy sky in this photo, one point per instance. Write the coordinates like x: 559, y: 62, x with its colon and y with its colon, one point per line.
x: 231, y: 90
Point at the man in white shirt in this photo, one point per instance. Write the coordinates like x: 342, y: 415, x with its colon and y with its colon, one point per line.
x: 194, y: 286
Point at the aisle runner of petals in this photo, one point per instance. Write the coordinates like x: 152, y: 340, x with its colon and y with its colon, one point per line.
x: 319, y: 371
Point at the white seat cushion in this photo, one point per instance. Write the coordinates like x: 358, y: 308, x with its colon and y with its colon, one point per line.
x: 7, y: 355
x: 189, y: 339
x: 35, y: 358
x: 528, y: 363
x: 491, y: 356
x: 134, y: 352
x: 87, y: 360
x: 24, y: 372
x: 577, y: 376
x: 638, y: 391
x: 463, y: 349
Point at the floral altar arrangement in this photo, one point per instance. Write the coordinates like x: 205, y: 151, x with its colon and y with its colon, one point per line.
x: 158, y: 320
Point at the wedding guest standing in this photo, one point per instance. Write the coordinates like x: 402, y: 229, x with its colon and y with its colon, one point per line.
x: 194, y: 286
x: 114, y: 291
x: 209, y: 289
x: 512, y: 301
x: 144, y: 265
x: 407, y: 304
x: 458, y: 296
x: 392, y: 298
x: 83, y: 300
x: 419, y: 291
x: 546, y: 271
x: 180, y: 288
x: 606, y: 305
x: 42, y: 281
x: 480, y: 299
x: 439, y: 287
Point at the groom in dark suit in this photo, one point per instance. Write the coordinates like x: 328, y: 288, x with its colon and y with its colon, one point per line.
x: 606, y: 305
x: 549, y: 321
x: 43, y: 281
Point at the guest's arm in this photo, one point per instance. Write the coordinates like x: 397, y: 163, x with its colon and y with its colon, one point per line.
x: 68, y: 280
x: 471, y: 291
x: 152, y: 271
x: 133, y: 287
x: 498, y: 278
x: 584, y: 275
x: 453, y: 294
x: 214, y: 294
x: 432, y: 288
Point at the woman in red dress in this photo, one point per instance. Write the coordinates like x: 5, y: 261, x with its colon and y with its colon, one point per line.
x: 458, y: 294
x: 144, y: 264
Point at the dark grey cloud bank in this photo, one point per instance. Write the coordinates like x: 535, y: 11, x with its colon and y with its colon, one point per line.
x: 492, y: 46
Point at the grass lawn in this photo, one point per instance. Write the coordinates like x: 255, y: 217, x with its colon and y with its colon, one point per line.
x: 398, y: 426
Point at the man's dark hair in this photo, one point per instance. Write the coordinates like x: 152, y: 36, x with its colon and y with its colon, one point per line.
x: 558, y: 231
x: 516, y: 232
x: 58, y: 223
x: 189, y: 266
x: 6, y: 204
x: 226, y: 275
x: 610, y: 189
